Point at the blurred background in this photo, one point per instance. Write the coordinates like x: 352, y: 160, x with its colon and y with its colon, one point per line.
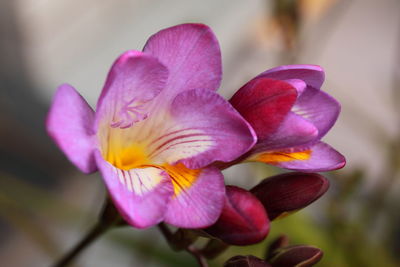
x: 46, y: 204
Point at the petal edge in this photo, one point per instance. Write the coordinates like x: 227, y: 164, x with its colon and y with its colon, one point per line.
x: 69, y: 123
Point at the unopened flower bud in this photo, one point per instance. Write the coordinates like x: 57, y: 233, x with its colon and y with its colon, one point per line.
x: 246, y: 261
x: 288, y: 192
x: 243, y: 220
x: 302, y: 255
x: 280, y: 242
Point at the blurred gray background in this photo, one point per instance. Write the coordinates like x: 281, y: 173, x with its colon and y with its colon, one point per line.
x: 46, y: 204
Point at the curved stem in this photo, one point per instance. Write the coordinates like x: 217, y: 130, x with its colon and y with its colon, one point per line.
x: 109, y: 217
x: 99, y: 229
x: 198, y: 255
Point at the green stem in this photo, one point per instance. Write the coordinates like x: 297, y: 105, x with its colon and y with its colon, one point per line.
x: 109, y: 217
x: 92, y: 235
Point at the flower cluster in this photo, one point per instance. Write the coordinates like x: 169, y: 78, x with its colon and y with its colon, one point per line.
x: 161, y: 135
x: 246, y: 214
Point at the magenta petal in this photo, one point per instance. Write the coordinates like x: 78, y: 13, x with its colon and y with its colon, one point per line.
x: 225, y: 134
x: 300, y: 85
x: 264, y: 103
x: 199, y: 205
x: 312, y: 75
x: 133, y: 81
x: 70, y: 124
x: 192, y: 55
x: 319, y: 108
x: 294, y: 131
x: 323, y: 158
x: 140, y: 195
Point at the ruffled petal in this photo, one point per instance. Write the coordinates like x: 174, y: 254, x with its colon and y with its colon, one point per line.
x: 319, y: 108
x: 319, y: 157
x: 199, y: 197
x: 134, y: 80
x: 294, y: 131
x: 312, y: 75
x: 192, y: 54
x: 264, y: 103
x: 140, y: 195
x: 70, y: 124
x: 203, y: 128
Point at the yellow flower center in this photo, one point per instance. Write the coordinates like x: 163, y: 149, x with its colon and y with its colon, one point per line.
x: 126, y: 158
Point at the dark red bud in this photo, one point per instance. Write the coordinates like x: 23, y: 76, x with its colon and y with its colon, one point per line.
x: 246, y: 261
x: 288, y: 192
x: 296, y: 256
x: 243, y: 220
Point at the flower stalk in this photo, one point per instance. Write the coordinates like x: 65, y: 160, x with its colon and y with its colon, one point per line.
x: 189, y: 247
x: 109, y: 218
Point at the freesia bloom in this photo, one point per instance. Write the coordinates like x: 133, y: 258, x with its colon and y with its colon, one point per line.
x: 290, y: 115
x: 158, y: 126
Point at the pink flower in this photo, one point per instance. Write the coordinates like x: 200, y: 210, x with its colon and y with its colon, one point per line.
x: 290, y: 115
x: 157, y: 126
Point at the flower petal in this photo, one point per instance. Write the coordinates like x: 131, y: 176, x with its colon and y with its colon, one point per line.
x: 133, y: 81
x: 312, y: 75
x: 264, y: 103
x: 294, y: 131
x: 70, y: 124
x: 140, y: 195
x: 191, y: 53
x: 319, y: 157
x: 204, y: 128
x: 319, y: 108
x: 200, y: 202
x: 300, y: 85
